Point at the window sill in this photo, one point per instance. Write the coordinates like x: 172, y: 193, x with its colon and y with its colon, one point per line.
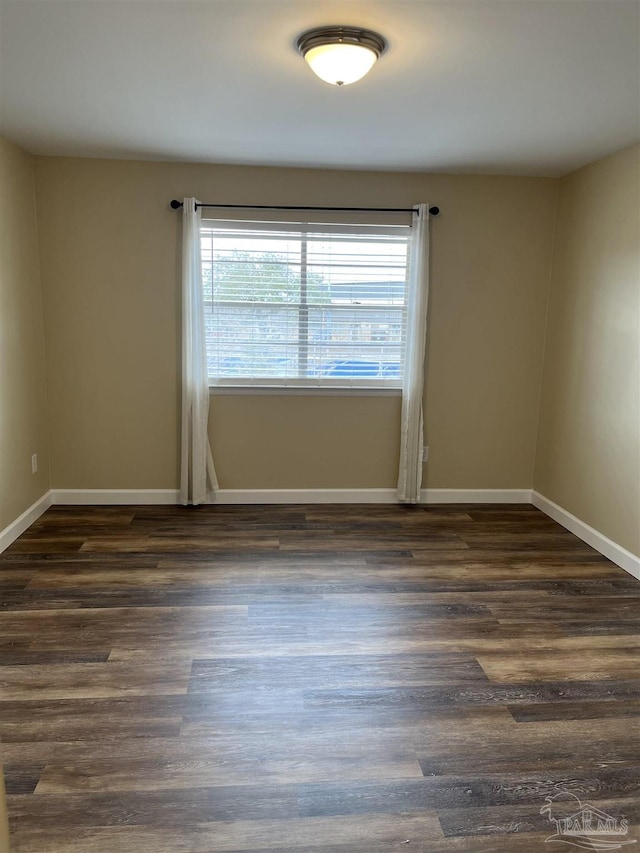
x: 302, y: 391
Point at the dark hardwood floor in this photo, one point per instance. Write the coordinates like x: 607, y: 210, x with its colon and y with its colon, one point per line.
x: 312, y: 679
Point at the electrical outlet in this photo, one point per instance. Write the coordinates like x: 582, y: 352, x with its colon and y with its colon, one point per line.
x: 425, y: 454
x: 34, y: 463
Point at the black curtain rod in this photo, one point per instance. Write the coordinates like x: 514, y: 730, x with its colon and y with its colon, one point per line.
x: 434, y: 211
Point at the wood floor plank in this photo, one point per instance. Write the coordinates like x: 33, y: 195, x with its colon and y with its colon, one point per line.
x: 153, y: 774
x: 500, y: 820
x: 87, y: 680
x: 312, y: 679
x: 376, y: 833
x: 616, y: 664
x: 460, y: 792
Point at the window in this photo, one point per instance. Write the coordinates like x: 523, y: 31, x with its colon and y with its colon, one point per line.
x: 301, y: 305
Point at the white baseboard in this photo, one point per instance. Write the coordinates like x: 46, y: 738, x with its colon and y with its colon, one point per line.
x: 368, y: 496
x: 475, y: 496
x: 86, y: 497
x: 607, y: 547
x: 114, y: 497
x: 99, y: 497
x: 24, y: 521
x: 305, y: 496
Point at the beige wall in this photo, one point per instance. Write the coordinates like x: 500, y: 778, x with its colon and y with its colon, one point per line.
x: 23, y: 416
x: 110, y: 245
x: 589, y: 441
x: 291, y: 442
x: 109, y: 249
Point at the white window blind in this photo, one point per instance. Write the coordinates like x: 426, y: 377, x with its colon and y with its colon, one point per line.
x: 293, y: 304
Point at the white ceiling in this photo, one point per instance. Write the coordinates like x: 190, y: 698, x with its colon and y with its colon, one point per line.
x: 513, y: 86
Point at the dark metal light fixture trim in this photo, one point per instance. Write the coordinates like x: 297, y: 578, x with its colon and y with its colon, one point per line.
x: 341, y: 35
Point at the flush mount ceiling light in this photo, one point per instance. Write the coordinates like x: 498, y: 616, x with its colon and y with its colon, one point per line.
x: 341, y: 55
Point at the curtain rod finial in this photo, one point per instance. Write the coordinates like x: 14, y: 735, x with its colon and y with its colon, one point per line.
x: 174, y: 204
x: 434, y: 211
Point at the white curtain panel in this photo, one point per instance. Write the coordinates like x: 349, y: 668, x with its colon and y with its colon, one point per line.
x: 411, y: 429
x: 197, y: 473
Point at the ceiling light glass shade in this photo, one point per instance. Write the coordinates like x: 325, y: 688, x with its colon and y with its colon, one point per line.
x: 341, y: 55
x: 340, y: 64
